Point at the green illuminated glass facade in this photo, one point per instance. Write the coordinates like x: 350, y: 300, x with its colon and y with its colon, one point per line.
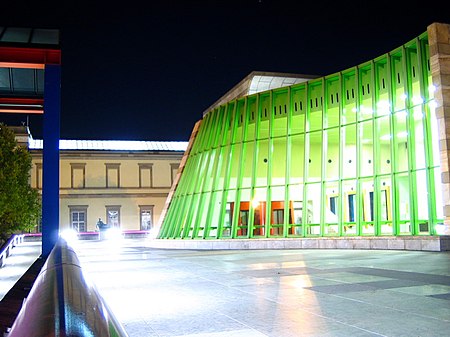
x: 351, y: 154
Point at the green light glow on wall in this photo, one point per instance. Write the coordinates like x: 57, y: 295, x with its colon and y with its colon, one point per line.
x: 351, y: 154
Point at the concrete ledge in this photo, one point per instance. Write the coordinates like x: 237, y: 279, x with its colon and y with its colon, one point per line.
x: 421, y: 243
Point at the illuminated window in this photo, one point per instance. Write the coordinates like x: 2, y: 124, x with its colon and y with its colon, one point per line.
x: 113, y: 216
x: 78, y: 218
x: 146, y: 217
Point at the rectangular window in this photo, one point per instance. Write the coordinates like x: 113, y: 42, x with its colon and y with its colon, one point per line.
x: 112, y: 175
x: 78, y: 175
x: 39, y: 175
x: 174, y: 172
x: 113, y: 216
x: 146, y: 212
x: 78, y: 218
x: 145, y: 175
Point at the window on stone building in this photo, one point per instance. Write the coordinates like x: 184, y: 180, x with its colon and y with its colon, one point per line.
x: 112, y: 175
x: 78, y: 218
x: 39, y: 175
x: 145, y: 175
x: 113, y: 216
x: 146, y: 212
x: 78, y: 175
x: 174, y: 170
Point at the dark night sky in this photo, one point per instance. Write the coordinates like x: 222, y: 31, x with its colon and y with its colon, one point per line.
x: 147, y: 70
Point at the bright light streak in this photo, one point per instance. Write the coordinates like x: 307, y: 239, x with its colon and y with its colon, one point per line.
x: 70, y: 235
x: 113, y: 234
x: 153, y: 233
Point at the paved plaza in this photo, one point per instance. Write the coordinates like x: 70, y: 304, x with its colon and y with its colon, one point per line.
x: 257, y: 293
x: 276, y: 293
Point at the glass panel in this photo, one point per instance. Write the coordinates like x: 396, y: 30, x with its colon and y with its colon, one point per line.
x: 223, y: 167
x: 298, y: 109
x: 332, y: 205
x: 313, y: 197
x: 251, y: 118
x: 367, y: 198
x: 214, y: 214
x: 385, y: 200
x: 264, y: 116
x: 296, y: 159
x: 422, y: 195
x: 366, y: 155
x: 240, y: 115
x: 315, y: 156
x: 235, y: 161
x: 365, y: 93
x: 349, y: 99
x: 398, y: 82
x: 277, y: 211
x: 350, y: 206
x: 333, y: 98
x: 280, y: 113
x: 229, y: 213
x: 262, y: 163
x: 296, y: 209
x: 228, y: 123
x: 400, y: 141
x: 209, y: 174
x: 332, y: 154
x: 382, y: 85
x: 315, y: 106
x: 404, y: 207
x: 247, y: 169
x: 258, y: 206
x: 349, y: 151
x: 419, y: 145
x: 384, y: 145
x: 279, y: 161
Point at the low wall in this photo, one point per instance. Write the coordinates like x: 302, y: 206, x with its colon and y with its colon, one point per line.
x: 418, y: 243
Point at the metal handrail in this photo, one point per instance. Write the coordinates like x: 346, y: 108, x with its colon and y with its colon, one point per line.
x: 5, y: 251
x: 62, y: 302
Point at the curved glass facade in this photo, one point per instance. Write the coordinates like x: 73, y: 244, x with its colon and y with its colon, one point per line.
x: 351, y: 154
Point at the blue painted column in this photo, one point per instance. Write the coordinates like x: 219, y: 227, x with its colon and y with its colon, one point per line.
x: 51, y: 133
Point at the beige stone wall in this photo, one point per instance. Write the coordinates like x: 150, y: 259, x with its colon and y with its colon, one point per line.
x: 130, y: 194
x: 439, y: 40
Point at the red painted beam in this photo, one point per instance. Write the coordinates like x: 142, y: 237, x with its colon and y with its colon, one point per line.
x: 36, y: 58
x: 21, y: 100
x: 21, y: 105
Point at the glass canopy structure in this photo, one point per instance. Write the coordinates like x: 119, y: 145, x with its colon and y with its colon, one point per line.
x: 354, y: 153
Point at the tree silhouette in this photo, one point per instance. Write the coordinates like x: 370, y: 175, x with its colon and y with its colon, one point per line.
x: 20, y: 204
